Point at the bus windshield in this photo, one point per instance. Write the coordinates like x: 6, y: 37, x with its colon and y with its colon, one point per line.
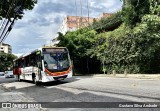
x: 56, y: 61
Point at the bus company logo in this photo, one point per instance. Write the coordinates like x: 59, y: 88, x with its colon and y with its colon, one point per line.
x: 6, y: 105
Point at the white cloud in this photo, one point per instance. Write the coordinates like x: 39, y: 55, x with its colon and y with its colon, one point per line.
x: 41, y: 24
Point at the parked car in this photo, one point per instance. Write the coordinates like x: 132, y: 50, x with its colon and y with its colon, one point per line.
x: 1, y: 73
x: 9, y: 74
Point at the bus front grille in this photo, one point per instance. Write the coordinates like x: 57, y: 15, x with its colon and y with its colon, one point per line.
x: 60, y: 78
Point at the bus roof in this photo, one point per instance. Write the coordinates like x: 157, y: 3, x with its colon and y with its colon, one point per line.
x: 39, y: 49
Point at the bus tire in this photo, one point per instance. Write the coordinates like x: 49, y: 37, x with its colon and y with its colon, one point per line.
x: 58, y: 81
x: 34, y: 79
x: 37, y: 83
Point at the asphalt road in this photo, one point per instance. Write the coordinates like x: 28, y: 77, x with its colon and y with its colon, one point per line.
x: 90, y: 89
x: 6, y: 80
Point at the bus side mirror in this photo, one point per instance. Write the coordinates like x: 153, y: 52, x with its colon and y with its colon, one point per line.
x: 45, y: 64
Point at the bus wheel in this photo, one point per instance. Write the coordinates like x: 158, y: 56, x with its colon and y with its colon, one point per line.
x: 33, y: 78
x: 35, y: 81
x: 58, y: 81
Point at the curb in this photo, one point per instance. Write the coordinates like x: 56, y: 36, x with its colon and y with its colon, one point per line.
x: 134, y: 76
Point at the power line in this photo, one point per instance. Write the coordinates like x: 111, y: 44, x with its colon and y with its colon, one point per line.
x: 2, y: 24
x: 6, y: 22
x: 18, y: 11
x: 8, y: 31
x: 88, y: 11
x: 4, y: 30
x: 81, y: 14
x: 76, y: 14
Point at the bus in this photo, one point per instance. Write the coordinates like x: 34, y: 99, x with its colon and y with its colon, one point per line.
x: 43, y: 65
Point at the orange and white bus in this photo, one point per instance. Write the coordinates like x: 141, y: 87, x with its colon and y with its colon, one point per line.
x: 44, y: 65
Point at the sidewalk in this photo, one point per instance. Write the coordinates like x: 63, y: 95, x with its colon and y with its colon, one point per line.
x: 138, y: 76
x: 8, y: 96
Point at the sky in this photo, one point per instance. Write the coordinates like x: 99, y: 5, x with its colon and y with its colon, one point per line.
x: 40, y: 25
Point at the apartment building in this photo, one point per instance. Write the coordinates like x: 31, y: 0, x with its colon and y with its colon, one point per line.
x: 5, y: 48
x: 72, y: 23
x: 104, y: 15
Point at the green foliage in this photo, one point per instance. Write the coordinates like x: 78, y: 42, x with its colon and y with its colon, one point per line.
x: 147, y: 36
x: 6, y: 61
x: 7, y: 7
x: 108, y: 24
x: 135, y: 49
x: 133, y: 46
x: 78, y: 43
x: 134, y: 10
x: 155, y: 7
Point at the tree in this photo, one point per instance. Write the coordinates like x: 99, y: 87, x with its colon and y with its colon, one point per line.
x: 6, y: 61
x: 133, y: 46
x: 11, y: 8
x: 108, y: 23
x: 78, y: 43
x: 134, y: 10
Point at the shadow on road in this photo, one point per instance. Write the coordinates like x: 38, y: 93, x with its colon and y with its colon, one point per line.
x: 7, y: 80
x: 55, y: 94
x: 53, y: 83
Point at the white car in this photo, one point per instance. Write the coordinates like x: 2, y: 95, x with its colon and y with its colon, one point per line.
x: 1, y: 73
x: 9, y: 74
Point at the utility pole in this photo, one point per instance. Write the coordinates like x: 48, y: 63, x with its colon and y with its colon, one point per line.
x: 88, y: 10
x: 76, y: 14
x: 81, y: 14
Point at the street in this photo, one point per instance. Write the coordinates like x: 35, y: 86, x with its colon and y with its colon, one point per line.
x: 79, y: 55
x: 89, y: 89
x: 6, y: 80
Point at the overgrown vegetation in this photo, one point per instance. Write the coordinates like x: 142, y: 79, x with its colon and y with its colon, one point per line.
x: 109, y: 23
x: 133, y: 46
x: 78, y: 43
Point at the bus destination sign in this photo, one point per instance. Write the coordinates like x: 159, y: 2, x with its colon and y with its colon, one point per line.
x: 51, y: 50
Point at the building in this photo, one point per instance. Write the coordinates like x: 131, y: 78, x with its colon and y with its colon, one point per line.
x: 72, y: 23
x: 104, y: 15
x: 5, y: 48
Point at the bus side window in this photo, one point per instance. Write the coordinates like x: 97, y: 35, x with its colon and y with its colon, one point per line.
x: 19, y: 63
x: 33, y: 60
x: 27, y: 61
x: 38, y: 61
x: 22, y: 63
x: 14, y: 64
